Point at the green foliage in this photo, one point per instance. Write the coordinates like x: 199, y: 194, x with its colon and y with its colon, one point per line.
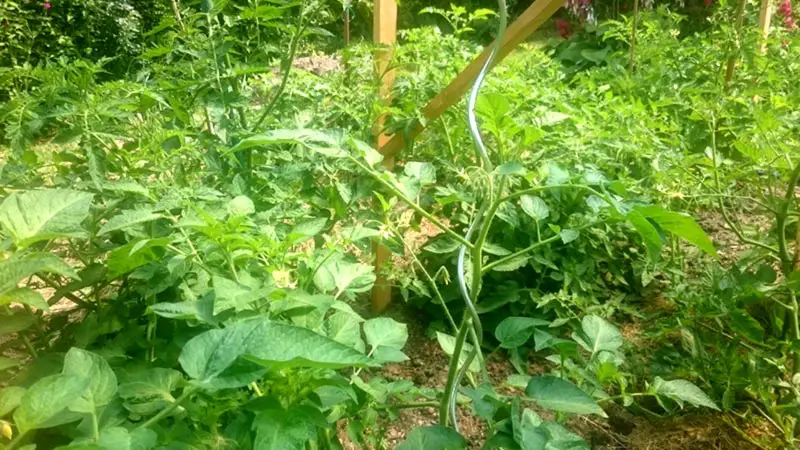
x: 209, y: 213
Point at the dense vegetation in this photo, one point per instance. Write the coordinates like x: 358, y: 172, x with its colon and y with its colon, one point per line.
x: 188, y: 220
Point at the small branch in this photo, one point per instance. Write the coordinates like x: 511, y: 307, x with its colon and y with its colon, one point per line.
x: 635, y: 21
x: 176, y: 9
x: 285, y: 70
x: 399, y: 194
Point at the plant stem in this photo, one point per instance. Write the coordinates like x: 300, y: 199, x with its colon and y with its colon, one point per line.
x: 176, y: 9
x: 634, y: 25
x: 95, y: 426
x: 721, y: 201
x: 409, y: 405
x: 169, y: 409
x: 466, y: 325
x: 736, y: 43
x: 285, y: 70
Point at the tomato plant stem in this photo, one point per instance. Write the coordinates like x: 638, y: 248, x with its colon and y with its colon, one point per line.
x: 451, y: 373
x: 169, y: 409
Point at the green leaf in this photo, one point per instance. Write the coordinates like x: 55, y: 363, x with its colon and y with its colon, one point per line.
x: 127, y: 219
x: 345, y: 328
x: 241, y: 206
x: 34, y: 216
x: 534, y: 207
x: 386, y: 337
x: 681, y: 225
x: 14, y: 270
x: 340, y: 276
x: 650, y: 236
x: 16, y: 323
x: 279, y: 429
x: 101, y: 380
x: 8, y: 363
x: 10, y: 399
x: 148, y: 392
x: 598, y: 335
x: 511, y: 168
x: 512, y: 264
x: 682, y: 391
x: 118, y: 438
x: 424, y: 172
x: 434, y: 437
x: 514, y: 332
x: 229, y: 294
x: 134, y: 255
x: 311, y: 139
x: 271, y: 344
x: 47, y: 399
x: 448, y: 344
x: 560, y: 395
x: 568, y: 235
x: 442, y: 246
x: 306, y: 230
x: 24, y: 296
x: 743, y: 323
x: 385, y: 331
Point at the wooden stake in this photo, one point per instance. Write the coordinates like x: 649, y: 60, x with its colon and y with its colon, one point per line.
x: 527, y: 23
x: 384, y: 33
x: 347, y: 26
x: 763, y: 23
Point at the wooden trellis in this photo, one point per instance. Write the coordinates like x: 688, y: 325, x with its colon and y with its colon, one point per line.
x: 385, y: 29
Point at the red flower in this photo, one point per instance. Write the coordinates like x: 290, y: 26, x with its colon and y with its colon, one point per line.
x: 625, y: 7
x: 563, y: 28
x: 708, y: 3
x: 47, y: 5
x: 5, y: 23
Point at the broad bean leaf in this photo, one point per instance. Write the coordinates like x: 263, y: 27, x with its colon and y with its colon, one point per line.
x: 560, y: 395
x: 206, y: 356
x: 679, y: 224
x: 127, y: 219
x: 46, y: 401
x: 34, y: 216
x: 434, y: 437
x: 598, y: 335
x: 514, y: 332
x: 101, y: 380
x: 681, y: 391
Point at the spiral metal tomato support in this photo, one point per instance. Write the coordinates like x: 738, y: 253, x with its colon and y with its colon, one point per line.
x: 471, y: 319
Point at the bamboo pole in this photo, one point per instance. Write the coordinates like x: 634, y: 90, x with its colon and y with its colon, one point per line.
x: 764, y: 18
x: 527, y: 23
x: 384, y: 34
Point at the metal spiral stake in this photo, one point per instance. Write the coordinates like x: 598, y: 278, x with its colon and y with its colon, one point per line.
x: 471, y: 319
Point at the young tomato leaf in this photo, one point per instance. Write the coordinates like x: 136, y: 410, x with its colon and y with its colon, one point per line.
x: 45, y: 403
x: 434, y: 437
x: 514, y: 332
x: 34, y: 216
x: 560, y: 395
x: 682, y: 391
x: 101, y: 380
